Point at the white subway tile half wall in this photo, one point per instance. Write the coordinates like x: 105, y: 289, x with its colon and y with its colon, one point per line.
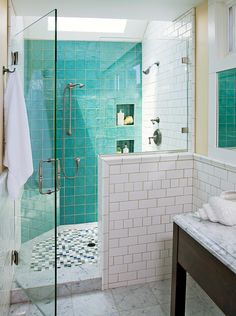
x: 141, y: 209
x: 137, y: 220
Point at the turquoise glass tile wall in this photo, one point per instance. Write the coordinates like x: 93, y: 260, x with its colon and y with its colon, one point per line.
x: 227, y: 108
x: 111, y: 72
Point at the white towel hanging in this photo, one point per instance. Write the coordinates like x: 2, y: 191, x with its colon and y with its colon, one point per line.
x: 18, y: 153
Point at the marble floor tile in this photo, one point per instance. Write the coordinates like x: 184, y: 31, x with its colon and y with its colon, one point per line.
x: 161, y: 290
x: 94, y: 304
x: 147, y: 311
x: 206, y: 312
x: 65, y: 306
x: 24, y: 310
x: 46, y: 306
x: 215, y: 311
x: 195, y: 306
x: 19, y: 308
x: 165, y: 308
x: 152, y: 299
x: 133, y: 297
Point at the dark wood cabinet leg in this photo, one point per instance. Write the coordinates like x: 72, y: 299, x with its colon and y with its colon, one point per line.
x: 178, y: 286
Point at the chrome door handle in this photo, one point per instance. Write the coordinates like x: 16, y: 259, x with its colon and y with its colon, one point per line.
x: 58, y: 176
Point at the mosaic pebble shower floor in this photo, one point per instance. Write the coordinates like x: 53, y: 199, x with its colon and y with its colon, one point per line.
x: 75, y: 246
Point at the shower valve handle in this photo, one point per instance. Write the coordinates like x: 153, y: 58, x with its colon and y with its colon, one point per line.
x: 150, y: 138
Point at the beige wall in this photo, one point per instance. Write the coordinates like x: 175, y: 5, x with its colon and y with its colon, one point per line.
x: 202, y: 78
x: 3, y: 62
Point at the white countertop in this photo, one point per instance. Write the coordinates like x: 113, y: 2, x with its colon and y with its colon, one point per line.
x: 218, y: 239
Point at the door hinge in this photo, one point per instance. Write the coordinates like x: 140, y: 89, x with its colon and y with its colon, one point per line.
x: 184, y: 130
x: 15, y: 257
x: 14, y: 58
x: 185, y: 60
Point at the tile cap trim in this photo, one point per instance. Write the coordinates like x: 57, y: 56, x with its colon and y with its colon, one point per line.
x: 144, y: 157
x: 216, y: 163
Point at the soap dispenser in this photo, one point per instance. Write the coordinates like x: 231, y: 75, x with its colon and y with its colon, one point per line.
x: 120, y: 118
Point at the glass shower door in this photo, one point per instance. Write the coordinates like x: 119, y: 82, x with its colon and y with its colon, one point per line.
x: 36, y: 211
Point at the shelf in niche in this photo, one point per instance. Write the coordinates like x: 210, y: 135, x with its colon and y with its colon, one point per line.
x: 128, y: 110
x: 121, y: 144
x: 125, y: 126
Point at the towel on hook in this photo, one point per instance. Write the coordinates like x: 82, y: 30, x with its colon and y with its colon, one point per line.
x: 18, y: 153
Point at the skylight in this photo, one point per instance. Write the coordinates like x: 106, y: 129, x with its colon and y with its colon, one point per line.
x: 87, y: 25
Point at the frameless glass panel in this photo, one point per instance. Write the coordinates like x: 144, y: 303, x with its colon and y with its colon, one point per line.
x: 165, y: 95
x: 35, y: 275
x: 108, y: 105
x: 77, y: 233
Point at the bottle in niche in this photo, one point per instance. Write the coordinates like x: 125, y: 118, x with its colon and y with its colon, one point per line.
x: 125, y: 149
x: 120, y: 118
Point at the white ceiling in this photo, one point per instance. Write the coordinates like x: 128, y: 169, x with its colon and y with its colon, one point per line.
x: 161, y: 10
x: 133, y: 32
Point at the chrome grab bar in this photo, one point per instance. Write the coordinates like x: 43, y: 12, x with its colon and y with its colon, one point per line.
x: 58, y: 177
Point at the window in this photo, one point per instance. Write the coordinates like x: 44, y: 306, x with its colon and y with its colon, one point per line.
x: 227, y: 109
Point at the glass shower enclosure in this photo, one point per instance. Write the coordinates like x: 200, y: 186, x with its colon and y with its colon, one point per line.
x: 74, y: 91
x: 36, y: 219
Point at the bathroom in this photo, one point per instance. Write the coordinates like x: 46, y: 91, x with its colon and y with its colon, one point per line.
x: 131, y: 126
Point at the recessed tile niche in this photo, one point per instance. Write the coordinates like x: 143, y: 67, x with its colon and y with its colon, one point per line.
x: 120, y: 145
x: 128, y: 110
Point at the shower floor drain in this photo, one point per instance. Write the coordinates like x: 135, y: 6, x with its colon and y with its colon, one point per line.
x: 74, y: 247
x: 91, y: 244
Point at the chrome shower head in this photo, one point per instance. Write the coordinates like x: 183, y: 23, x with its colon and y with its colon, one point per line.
x: 146, y: 71
x: 72, y: 85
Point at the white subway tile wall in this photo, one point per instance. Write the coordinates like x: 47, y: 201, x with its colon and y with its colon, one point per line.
x: 210, y: 178
x: 137, y: 209
x: 137, y: 221
x: 169, y: 89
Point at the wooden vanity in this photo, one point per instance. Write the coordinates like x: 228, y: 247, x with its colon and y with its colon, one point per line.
x: 207, y: 251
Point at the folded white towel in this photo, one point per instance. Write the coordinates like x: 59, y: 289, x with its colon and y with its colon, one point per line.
x: 228, y: 195
x: 18, y: 154
x: 225, y: 210
x: 202, y: 214
x: 209, y: 211
x: 218, y: 210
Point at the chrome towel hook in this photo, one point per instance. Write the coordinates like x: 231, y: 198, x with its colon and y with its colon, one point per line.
x: 4, y: 70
